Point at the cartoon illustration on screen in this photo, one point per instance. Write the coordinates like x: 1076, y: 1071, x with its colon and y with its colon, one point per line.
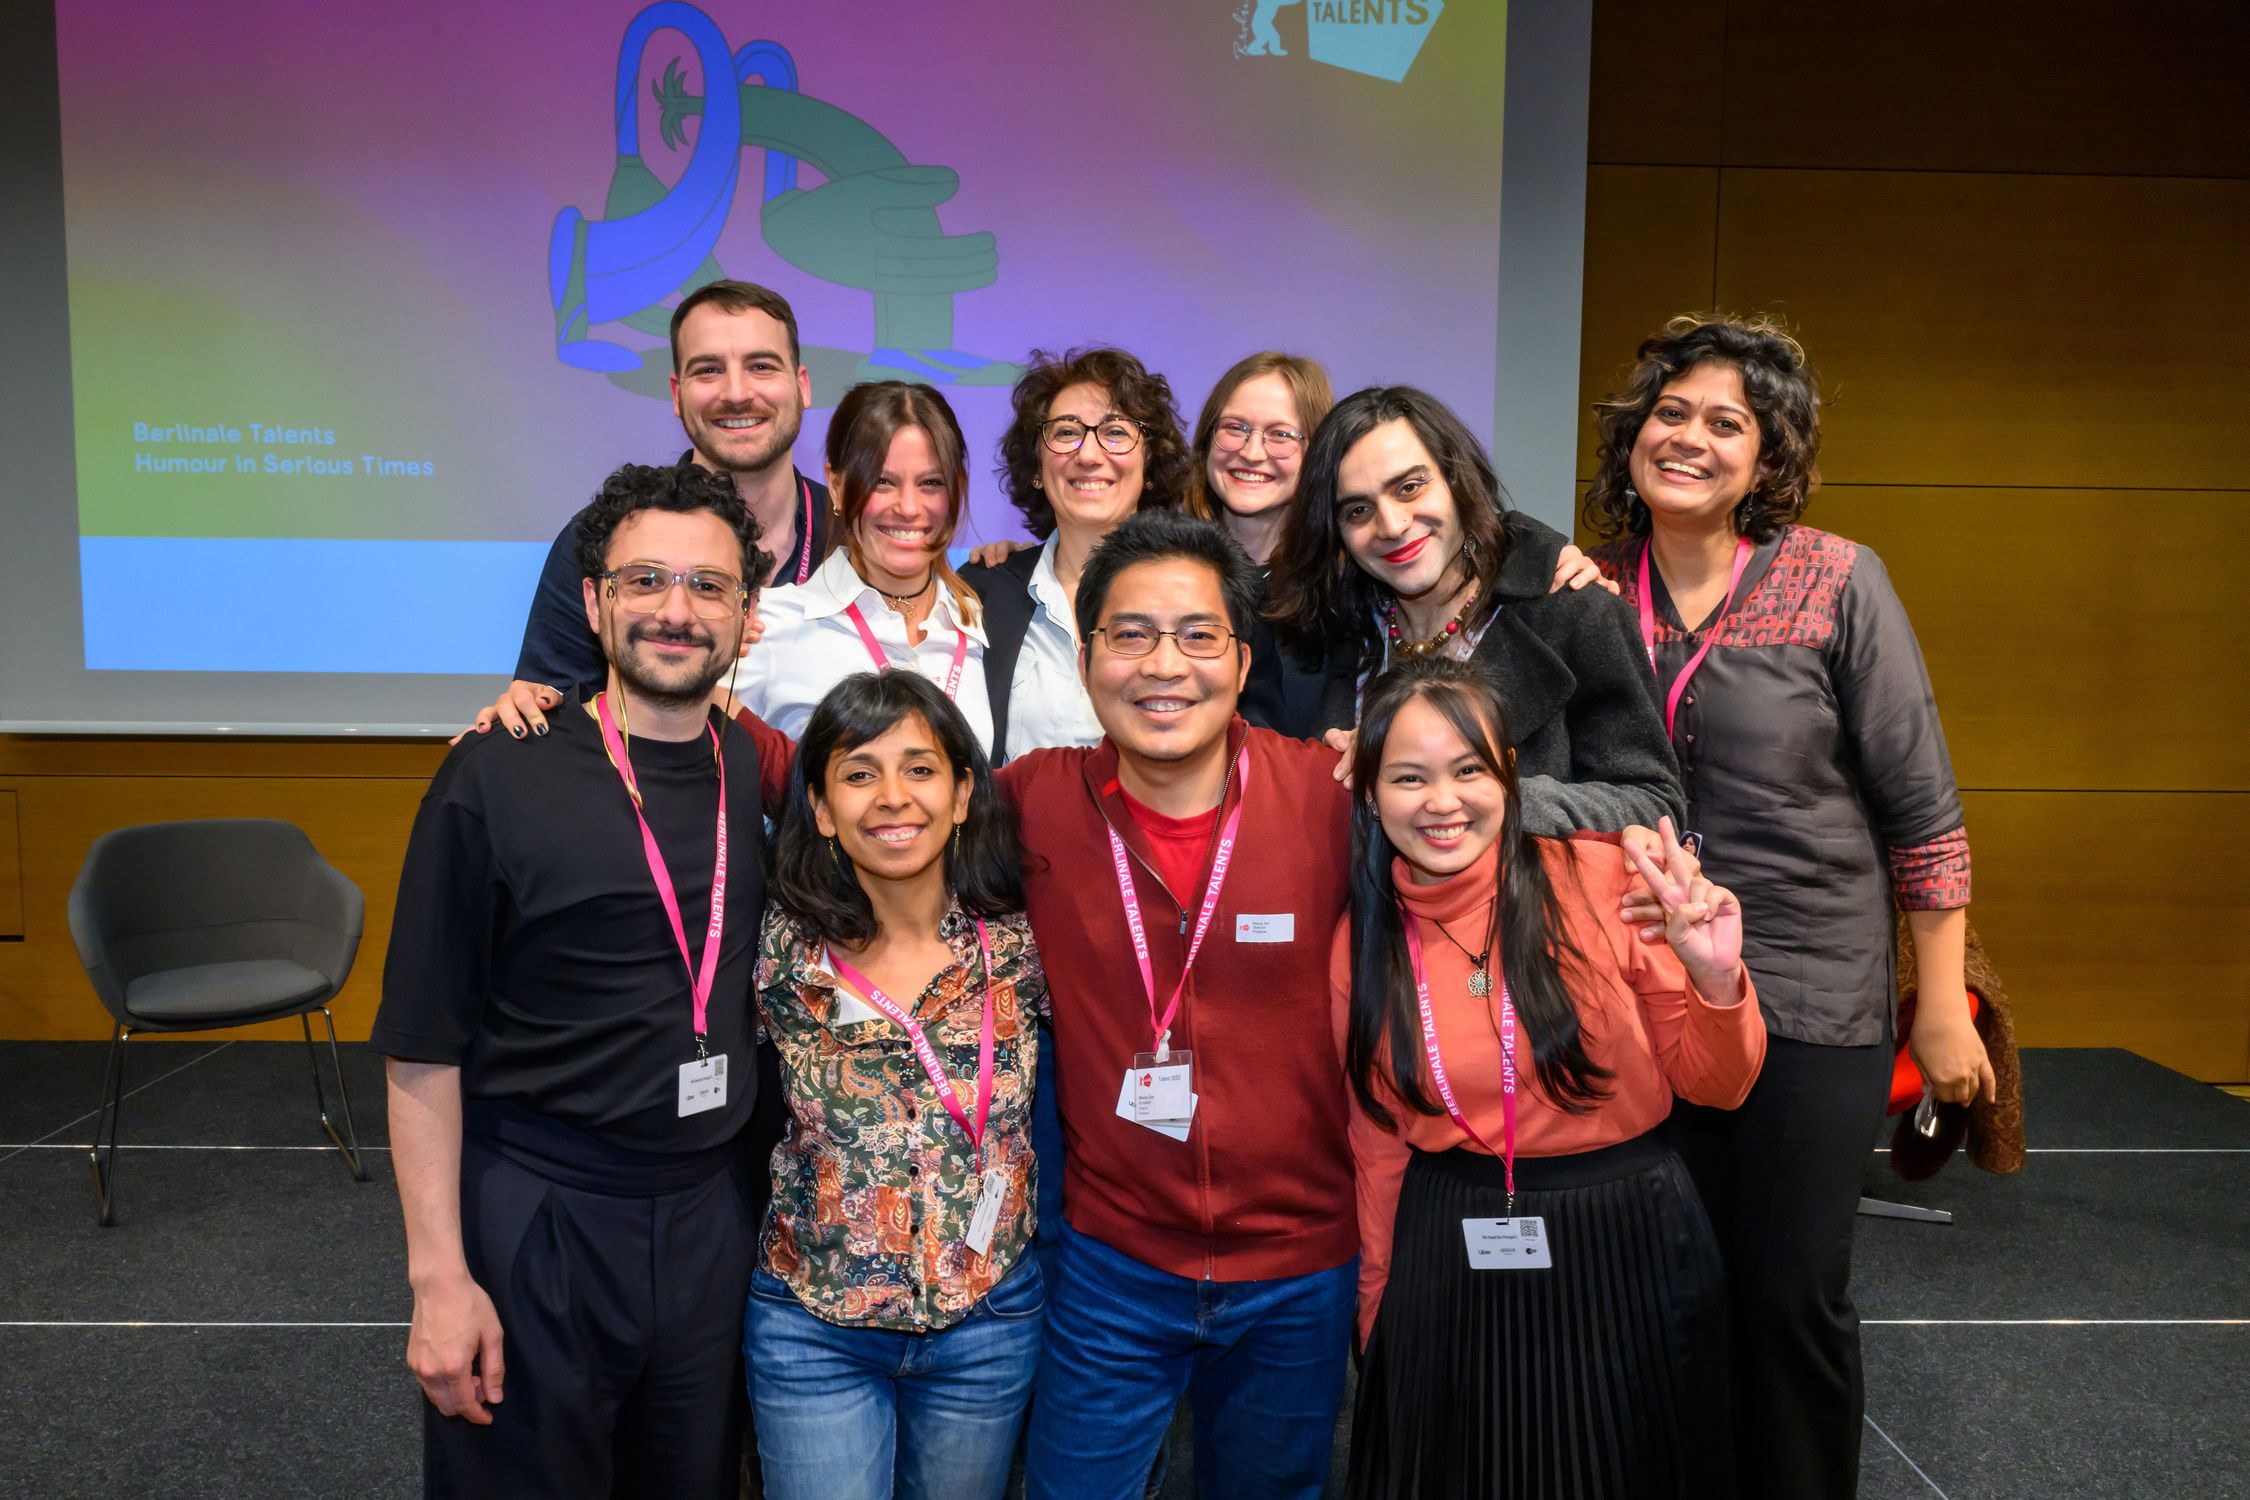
x: 1255, y: 34
x: 872, y: 224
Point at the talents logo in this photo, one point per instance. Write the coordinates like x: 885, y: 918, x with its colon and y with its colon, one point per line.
x: 1380, y: 38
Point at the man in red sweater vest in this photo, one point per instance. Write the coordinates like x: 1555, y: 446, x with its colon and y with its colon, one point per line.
x: 1184, y: 876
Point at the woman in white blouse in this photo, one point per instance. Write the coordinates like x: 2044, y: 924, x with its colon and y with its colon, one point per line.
x: 886, y: 598
x: 1096, y: 436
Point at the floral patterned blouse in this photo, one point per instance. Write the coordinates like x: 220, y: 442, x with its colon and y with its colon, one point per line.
x: 874, y: 1183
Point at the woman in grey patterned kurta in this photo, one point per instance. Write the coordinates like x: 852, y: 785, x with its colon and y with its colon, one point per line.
x: 1816, y: 771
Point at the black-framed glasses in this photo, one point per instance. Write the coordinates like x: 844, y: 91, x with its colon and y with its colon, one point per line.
x: 643, y: 587
x: 1066, y: 435
x: 1280, y: 440
x: 1200, y: 641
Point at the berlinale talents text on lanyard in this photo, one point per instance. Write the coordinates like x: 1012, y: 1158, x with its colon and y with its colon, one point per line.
x: 703, y: 1081
x: 883, y: 662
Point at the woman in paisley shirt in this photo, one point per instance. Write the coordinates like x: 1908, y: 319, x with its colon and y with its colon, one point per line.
x: 893, y: 1326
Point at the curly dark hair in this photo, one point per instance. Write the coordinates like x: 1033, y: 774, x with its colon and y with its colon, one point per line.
x: 1784, y: 396
x: 689, y: 487
x: 1134, y: 391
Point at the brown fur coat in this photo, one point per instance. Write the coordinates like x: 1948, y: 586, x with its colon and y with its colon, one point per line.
x: 1995, y: 1137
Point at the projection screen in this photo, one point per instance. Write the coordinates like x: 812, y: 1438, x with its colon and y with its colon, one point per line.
x: 324, y: 320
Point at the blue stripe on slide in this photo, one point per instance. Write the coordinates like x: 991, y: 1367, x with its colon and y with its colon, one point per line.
x: 268, y: 604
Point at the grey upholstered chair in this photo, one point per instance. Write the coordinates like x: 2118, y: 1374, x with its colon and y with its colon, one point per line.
x: 216, y: 922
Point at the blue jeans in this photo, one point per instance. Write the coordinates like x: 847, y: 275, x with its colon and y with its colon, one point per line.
x: 865, y: 1413
x: 1262, y: 1363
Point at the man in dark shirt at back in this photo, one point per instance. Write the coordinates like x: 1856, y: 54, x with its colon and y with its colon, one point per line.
x: 566, y: 1007
x: 740, y: 389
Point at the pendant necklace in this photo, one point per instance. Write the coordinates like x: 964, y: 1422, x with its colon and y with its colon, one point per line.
x: 1480, y: 974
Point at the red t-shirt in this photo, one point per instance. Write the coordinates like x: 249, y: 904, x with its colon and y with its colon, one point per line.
x: 1182, y: 847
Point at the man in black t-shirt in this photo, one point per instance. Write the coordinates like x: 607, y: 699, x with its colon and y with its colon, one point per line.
x: 740, y: 389
x: 567, y: 1011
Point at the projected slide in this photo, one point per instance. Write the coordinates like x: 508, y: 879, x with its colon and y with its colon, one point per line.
x: 364, y: 303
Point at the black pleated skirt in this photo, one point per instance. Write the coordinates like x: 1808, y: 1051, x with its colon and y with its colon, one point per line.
x: 1602, y: 1377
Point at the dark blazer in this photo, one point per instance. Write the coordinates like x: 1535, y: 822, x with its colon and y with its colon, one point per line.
x: 1004, y: 592
x: 1286, y: 694
x: 1590, y: 746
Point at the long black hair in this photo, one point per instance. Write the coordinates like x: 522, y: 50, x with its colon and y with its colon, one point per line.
x: 983, y: 870
x: 1535, y: 947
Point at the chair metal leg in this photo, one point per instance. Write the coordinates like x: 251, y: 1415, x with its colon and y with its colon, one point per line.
x: 108, y: 1114
x: 1883, y: 1208
x: 348, y: 1142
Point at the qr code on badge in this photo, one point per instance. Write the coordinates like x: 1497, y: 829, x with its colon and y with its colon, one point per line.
x: 1531, y: 1229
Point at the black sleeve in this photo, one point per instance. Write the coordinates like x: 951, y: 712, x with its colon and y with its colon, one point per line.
x: 558, y: 649
x: 1622, y: 770
x: 436, y: 974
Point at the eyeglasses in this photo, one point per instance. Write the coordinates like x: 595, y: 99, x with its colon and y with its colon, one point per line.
x: 1201, y: 641
x: 1066, y: 435
x: 1280, y: 441
x: 643, y: 588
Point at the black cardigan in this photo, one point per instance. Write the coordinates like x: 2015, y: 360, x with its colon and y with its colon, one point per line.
x: 1582, y: 708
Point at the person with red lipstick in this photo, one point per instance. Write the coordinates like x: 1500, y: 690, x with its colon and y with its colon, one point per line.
x: 1402, y: 544
x: 1809, y: 742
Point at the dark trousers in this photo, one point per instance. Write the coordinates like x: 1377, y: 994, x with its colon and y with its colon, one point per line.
x: 620, y: 1318
x: 1781, y: 1179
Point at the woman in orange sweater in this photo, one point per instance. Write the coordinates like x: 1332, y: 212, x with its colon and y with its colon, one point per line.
x: 1540, y: 1296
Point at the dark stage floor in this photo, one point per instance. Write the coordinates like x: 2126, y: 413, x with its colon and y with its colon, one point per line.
x: 2080, y: 1330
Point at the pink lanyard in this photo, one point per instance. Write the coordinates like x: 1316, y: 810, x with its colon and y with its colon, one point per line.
x: 804, y: 553
x: 932, y: 1064
x: 699, y: 977
x: 1161, y: 1026
x: 1742, y: 551
x: 1507, y: 1153
x: 883, y: 663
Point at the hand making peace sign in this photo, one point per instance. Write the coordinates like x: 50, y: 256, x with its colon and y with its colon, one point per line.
x: 1702, y: 921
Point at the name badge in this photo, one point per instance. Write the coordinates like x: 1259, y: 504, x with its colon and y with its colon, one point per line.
x: 1177, y: 1130
x: 987, y: 1215
x: 703, y: 1085
x: 1507, y: 1244
x: 1275, y: 927
x: 1161, y: 1088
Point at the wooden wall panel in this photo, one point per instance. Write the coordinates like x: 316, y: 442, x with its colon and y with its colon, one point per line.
x: 2117, y: 919
x: 2007, y: 331
x: 359, y: 825
x: 215, y: 755
x: 2079, y: 86
x: 1651, y: 235
x: 1655, y: 94
x: 2078, y: 639
x: 11, y: 870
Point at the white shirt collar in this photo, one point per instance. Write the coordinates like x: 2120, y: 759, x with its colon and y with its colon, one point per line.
x: 1046, y: 584
x: 835, y: 586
